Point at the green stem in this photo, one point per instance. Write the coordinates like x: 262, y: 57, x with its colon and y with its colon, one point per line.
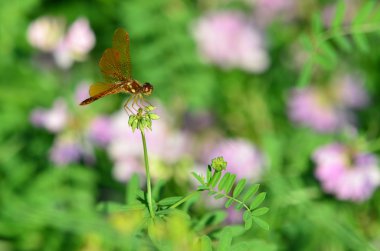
x: 230, y: 197
x: 184, y: 199
x: 148, y: 185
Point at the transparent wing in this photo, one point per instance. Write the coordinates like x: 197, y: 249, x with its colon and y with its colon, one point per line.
x: 100, y: 87
x: 110, y: 66
x: 120, y: 43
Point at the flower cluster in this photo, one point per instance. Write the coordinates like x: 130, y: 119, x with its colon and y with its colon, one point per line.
x: 327, y: 109
x: 47, y: 34
x: 229, y: 40
x: 347, y: 173
x: 265, y: 11
x: 70, y: 144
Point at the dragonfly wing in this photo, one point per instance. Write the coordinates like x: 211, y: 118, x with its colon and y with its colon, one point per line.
x: 120, y: 43
x: 110, y: 66
x: 97, y: 88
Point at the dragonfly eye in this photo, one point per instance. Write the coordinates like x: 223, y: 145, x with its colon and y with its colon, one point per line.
x: 147, y: 89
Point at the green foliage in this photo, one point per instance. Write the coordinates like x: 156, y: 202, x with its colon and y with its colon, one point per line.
x: 322, y: 44
x: 223, y: 189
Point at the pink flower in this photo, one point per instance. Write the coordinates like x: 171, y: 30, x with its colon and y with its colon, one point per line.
x: 346, y: 173
x: 54, y: 120
x: 100, y: 130
x: 350, y: 92
x: 45, y: 33
x: 269, y: 10
x: 327, y: 109
x: 243, y: 158
x: 230, y: 41
x: 65, y: 151
x: 75, y: 46
x: 81, y: 92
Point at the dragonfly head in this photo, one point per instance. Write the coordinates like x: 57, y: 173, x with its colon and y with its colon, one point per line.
x: 147, y: 89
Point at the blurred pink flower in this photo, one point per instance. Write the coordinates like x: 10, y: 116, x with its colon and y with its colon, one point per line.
x: 229, y: 40
x: 346, y: 173
x: 243, y: 158
x: 82, y: 92
x: 234, y: 216
x: 328, y: 109
x: 350, y: 92
x: 65, y: 151
x: 75, y: 46
x: 70, y: 144
x: 54, y: 119
x: 269, y: 10
x: 125, y: 167
x: 100, y: 130
x: 45, y: 33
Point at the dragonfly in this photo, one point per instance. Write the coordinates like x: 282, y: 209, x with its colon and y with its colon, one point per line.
x: 115, y: 65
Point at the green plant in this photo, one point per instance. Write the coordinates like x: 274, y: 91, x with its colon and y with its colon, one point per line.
x: 323, y: 43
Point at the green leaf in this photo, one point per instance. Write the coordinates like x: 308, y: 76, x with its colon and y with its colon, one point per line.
x: 239, y: 206
x: 206, y: 243
x: 225, y: 240
x: 210, y: 193
x: 239, y: 188
x: 328, y: 51
x: 223, y: 181
x: 169, y: 201
x: 261, y: 223
x: 339, y: 14
x: 219, y: 196
x: 305, y: 74
x: 113, y: 207
x: 324, y: 62
x: 229, y: 203
x: 133, y: 186
x: 157, y: 189
x: 203, y: 187
x: 198, y: 177
x: 316, y: 24
x: 153, y: 116
x: 342, y: 41
x: 260, y: 211
x: 230, y: 183
x: 247, y: 217
x: 363, y: 13
x: 306, y: 42
x: 134, y: 125
x: 208, y: 219
x: 258, y: 200
x: 250, y: 192
x: 361, y: 42
x: 215, y: 178
x: 209, y: 173
x: 131, y: 119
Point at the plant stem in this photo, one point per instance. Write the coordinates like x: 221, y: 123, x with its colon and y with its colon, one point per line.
x: 148, y: 185
x: 184, y: 199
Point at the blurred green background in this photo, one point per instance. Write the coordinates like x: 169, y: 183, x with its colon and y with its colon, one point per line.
x: 224, y: 76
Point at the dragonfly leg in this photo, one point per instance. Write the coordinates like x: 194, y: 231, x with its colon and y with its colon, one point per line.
x: 134, y: 102
x: 140, y: 102
x: 146, y: 102
x: 126, y: 106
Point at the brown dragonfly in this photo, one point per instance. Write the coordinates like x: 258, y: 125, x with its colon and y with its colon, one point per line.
x: 115, y: 65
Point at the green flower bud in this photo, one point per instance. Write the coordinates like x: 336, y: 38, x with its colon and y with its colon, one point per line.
x: 218, y: 164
